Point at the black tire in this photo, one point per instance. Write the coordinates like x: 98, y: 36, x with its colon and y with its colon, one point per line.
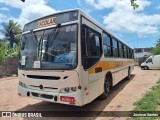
x: 146, y: 68
x: 107, y: 86
x: 129, y: 74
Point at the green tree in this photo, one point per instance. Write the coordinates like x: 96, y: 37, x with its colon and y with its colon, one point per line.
x: 156, y: 50
x: 158, y: 43
x: 135, y: 6
x: 11, y: 31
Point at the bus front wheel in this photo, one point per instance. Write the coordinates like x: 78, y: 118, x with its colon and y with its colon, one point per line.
x: 107, y: 86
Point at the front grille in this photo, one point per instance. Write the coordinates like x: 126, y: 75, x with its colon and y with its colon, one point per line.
x: 42, y: 95
x: 43, y: 77
x: 33, y: 86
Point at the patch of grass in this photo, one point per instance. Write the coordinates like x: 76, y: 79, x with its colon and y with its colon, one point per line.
x: 149, y: 102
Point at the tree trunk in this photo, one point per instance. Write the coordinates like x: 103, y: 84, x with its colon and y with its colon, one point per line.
x: 12, y: 40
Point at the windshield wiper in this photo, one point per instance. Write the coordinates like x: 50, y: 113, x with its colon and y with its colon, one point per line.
x: 23, y: 42
x: 53, y: 35
x: 35, y: 37
x: 40, y: 45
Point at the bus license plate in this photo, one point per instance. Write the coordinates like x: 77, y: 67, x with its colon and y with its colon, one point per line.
x: 71, y: 100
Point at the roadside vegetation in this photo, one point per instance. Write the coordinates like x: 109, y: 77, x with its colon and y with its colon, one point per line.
x: 9, y: 45
x: 156, y: 50
x: 150, y: 102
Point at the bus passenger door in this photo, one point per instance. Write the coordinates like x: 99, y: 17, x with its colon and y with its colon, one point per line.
x: 91, y: 54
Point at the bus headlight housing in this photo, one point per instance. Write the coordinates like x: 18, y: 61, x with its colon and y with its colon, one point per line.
x: 70, y: 89
x: 67, y: 89
x: 73, y: 89
x: 22, y: 84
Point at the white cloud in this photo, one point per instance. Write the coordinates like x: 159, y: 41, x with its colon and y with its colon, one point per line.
x: 101, y: 4
x: 2, y: 18
x: 19, y: 4
x: 30, y: 10
x: 39, y: 10
x: 124, y: 19
x: 4, y: 9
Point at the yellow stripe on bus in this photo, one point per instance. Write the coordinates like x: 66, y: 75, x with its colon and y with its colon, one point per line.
x: 108, y: 65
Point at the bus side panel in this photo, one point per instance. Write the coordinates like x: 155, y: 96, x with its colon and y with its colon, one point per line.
x: 121, y: 72
x: 85, y: 86
x: 94, y: 77
x: 118, y: 72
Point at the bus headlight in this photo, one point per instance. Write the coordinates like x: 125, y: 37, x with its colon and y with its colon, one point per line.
x: 73, y: 89
x: 22, y: 84
x: 70, y: 89
x: 67, y: 89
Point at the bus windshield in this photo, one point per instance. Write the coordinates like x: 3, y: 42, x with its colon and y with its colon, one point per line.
x: 46, y: 49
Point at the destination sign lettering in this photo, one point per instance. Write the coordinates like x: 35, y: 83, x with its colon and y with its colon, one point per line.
x: 46, y: 22
x: 51, y: 20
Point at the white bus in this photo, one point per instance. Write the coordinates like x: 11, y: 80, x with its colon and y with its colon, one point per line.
x: 69, y: 58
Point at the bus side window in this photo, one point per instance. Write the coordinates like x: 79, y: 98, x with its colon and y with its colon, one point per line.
x: 130, y: 53
x: 121, y: 50
x: 91, y: 47
x: 115, y: 47
x: 125, y: 51
x: 107, y: 45
x: 83, y: 42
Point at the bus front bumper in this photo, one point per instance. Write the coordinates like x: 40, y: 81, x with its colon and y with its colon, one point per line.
x: 74, y: 98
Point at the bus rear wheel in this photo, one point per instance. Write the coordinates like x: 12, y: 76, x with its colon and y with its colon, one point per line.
x: 107, y: 87
x: 129, y: 74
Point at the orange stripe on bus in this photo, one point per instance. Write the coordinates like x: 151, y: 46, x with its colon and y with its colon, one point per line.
x: 108, y: 65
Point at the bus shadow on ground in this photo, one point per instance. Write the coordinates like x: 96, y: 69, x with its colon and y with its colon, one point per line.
x: 96, y: 105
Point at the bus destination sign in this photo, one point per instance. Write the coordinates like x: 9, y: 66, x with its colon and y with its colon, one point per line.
x: 52, y: 20
x: 46, y: 22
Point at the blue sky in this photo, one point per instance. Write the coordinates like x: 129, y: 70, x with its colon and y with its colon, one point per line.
x: 137, y: 28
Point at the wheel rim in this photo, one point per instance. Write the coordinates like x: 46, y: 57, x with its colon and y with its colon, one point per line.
x: 106, y: 87
x: 129, y: 73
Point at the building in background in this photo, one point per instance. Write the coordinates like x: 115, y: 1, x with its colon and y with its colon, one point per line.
x: 140, y: 55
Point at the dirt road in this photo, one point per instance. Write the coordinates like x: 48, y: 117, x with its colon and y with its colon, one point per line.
x: 122, y: 96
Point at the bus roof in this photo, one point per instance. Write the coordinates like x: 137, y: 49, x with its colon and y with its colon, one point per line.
x: 86, y: 15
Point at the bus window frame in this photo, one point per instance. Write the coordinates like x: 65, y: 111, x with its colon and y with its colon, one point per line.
x: 114, y: 39
x: 84, y: 26
x: 111, y: 44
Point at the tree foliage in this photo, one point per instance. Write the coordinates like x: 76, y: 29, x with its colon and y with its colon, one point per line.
x: 5, y: 52
x: 11, y: 31
x: 158, y: 43
x: 156, y: 50
x: 135, y: 6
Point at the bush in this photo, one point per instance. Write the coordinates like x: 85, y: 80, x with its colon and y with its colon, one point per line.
x: 8, y: 59
x: 156, y: 51
x: 6, y: 51
x: 2, y: 53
